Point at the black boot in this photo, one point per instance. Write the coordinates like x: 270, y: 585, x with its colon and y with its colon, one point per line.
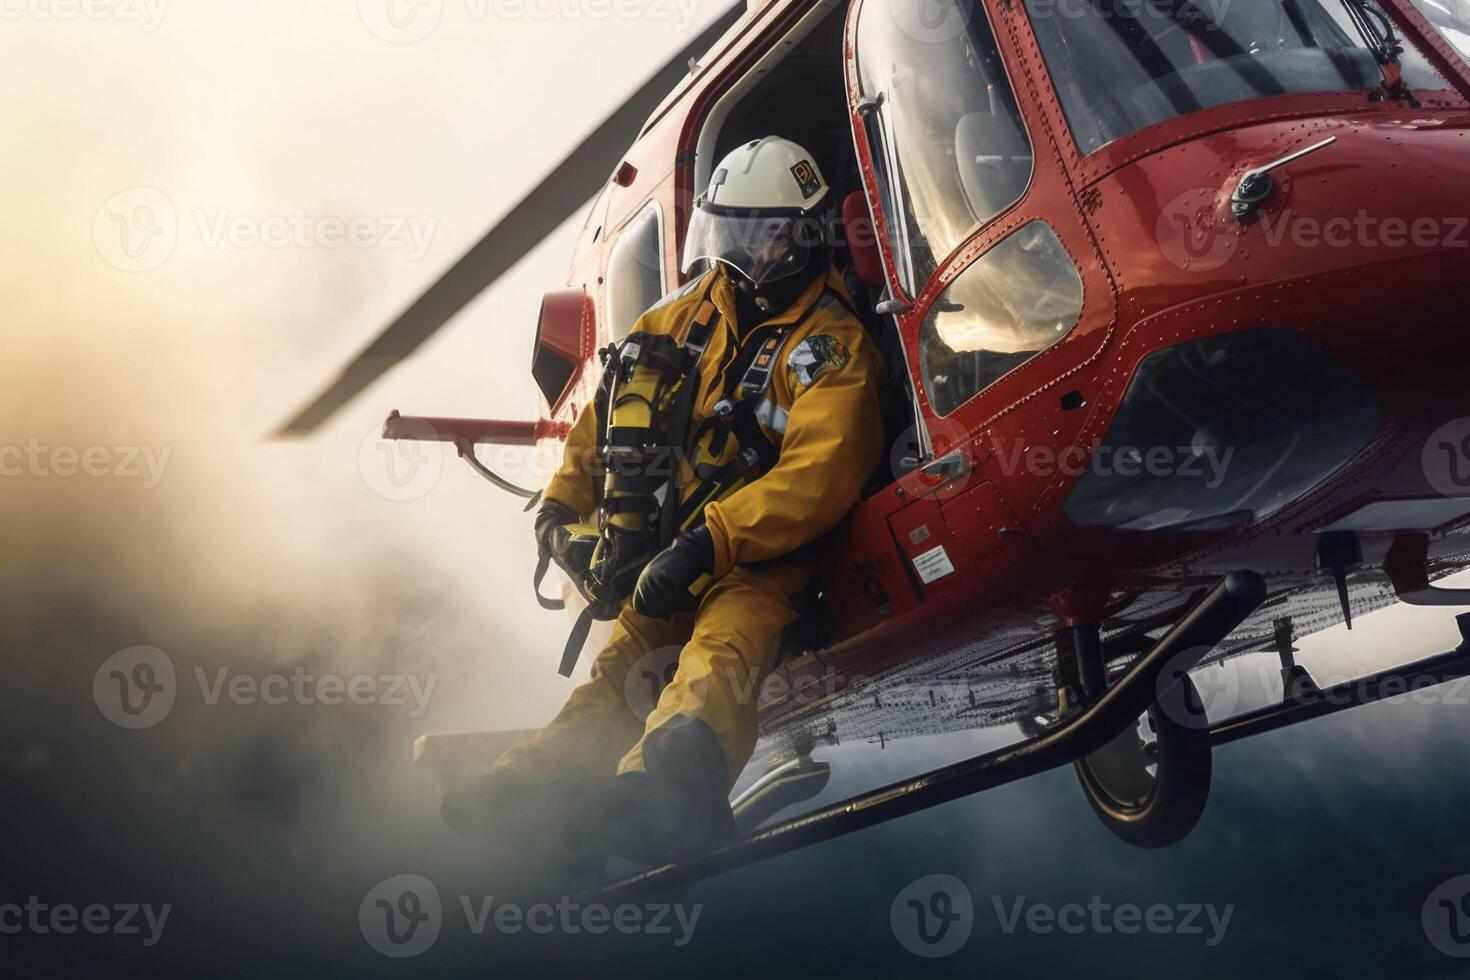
x: 678, y: 809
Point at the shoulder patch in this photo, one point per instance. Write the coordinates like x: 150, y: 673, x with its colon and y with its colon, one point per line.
x: 815, y: 356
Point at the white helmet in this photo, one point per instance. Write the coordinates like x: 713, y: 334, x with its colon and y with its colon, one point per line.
x: 752, y: 216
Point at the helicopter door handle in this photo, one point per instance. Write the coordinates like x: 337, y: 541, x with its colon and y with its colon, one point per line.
x: 946, y: 467
x: 1256, y: 184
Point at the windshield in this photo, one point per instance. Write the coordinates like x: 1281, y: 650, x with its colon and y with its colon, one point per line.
x: 1452, y: 19
x: 1120, y: 65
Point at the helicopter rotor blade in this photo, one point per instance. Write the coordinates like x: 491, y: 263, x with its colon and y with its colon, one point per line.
x: 574, y: 181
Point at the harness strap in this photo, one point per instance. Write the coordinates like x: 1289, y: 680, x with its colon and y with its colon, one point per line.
x: 575, y: 642
x: 753, y: 383
x: 757, y: 375
x: 695, y: 341
x: 703, y: 327
x: 543, y: 562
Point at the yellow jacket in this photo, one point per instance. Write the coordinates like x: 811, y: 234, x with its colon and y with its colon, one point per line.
x: 822, y: 410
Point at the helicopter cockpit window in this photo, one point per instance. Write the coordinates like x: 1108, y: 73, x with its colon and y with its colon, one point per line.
x: 635, y: 278
x: 1452, y: 19
x: 943, y: 125
x: 1014, y: 302
x: 1121, y: 65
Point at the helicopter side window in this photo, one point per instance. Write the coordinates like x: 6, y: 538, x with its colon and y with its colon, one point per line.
x: 1121, y: 65
x: 1015, y: 301
x: 943, y: 125
x: 635, y: 279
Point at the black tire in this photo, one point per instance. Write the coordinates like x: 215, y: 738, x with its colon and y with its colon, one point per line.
x: 1158, y: 808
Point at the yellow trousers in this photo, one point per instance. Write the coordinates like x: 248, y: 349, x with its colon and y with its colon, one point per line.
x: 656, y: 673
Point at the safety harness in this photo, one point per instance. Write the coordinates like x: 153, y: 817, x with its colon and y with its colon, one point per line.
x: 644, y: 404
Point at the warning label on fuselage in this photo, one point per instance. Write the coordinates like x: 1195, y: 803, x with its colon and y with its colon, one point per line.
x: 933, y: 564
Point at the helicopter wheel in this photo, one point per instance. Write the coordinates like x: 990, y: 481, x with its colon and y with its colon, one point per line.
x: 1149, y: 785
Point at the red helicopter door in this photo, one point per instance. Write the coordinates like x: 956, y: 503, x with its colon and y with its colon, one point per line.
x: 994, y: 283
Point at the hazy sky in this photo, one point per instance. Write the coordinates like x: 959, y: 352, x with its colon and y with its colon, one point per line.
x: 259, y: 134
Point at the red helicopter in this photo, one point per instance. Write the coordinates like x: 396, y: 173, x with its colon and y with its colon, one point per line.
x: 1168, y: 290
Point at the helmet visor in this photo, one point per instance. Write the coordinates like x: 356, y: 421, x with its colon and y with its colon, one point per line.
x: 762, y: 247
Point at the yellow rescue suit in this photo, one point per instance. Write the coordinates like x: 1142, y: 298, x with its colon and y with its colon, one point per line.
x: 820, y: 408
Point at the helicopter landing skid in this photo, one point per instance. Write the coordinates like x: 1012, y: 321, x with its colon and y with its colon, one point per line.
x: 1154, y: 673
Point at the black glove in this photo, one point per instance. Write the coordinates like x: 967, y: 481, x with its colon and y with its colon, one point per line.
x: 551, y: 517
x: 663, y: 588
